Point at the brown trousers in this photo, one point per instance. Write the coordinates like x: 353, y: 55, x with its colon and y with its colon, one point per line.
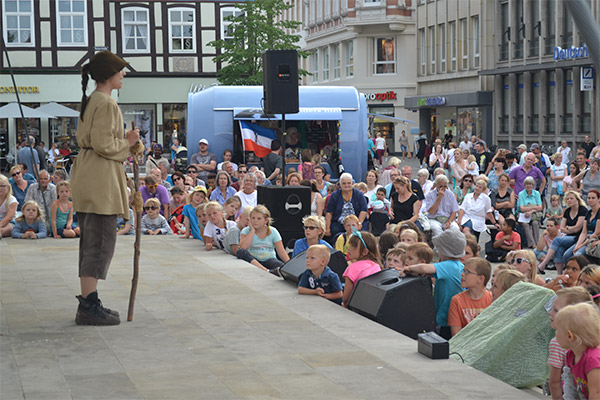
x: 96, y: 243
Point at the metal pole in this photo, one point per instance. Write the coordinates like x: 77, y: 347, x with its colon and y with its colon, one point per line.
x: 283, y: 149
x: 587, y: 27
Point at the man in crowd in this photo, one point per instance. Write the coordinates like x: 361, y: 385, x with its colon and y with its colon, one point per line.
x: 204, y: 161
x: 537, y: 151
x: 587, y: 145
x: 407, y: 172
x: 465, y: 144
x: 29, y: 156
x: 441, y: 206
x: 483, y: 157
x: 565, y: 150
x: 273, y: 163
x: 519, y: 174
x: 155, y: 158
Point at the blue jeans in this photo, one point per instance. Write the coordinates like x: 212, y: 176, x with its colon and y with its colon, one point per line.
x: 569, y: 253
x: 560, y: 245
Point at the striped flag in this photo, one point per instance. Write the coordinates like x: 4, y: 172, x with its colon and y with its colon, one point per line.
x: 256, y: 138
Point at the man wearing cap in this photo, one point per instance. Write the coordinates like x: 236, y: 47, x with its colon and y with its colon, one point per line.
x: 519, y: 174
x: 155, y: 158
x: 537, y: 151
x: 483, y: 157
x: 522, y: 152
x: 204, y: 161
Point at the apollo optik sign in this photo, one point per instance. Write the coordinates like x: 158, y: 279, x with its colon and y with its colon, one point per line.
x: 571, y: 53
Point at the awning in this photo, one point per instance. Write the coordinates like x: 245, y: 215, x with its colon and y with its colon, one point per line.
x: 11, y: 110
x: 58, y: 110
x: 387, y: 118
x: 305, y: 114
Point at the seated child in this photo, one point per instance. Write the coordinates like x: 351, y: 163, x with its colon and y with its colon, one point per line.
x: 418, y: 253
x: 506, y: 240
x: 578, y: 331
x: 450, y: 246
x: 30, y: 225
x: 555, y: 210
x: 386, y: 241
x: 232, y: 207
x: 505, y: 279
x: 379, y: 219
x: 178, y: 198
x: 190, y: 217
x: 472, y: 166
x: 556, y: 353
x: 314, y: 228
x: 216, y: 227
x: 472, y: 249
x: 394, y: 258
x: 153, y: 223
x: 409, y: 236
x: 260, y: 243
x: 465, y: 306
x: 381, y: 196
x: 202, y: 219
x: 232, y: 239
x: 362, y: 249
x: 61, y: 213
x: 127, y: 227
x: 350, y: 224
x: 319, y: 279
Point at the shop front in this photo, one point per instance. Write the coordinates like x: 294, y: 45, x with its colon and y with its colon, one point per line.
x: 461, y: 114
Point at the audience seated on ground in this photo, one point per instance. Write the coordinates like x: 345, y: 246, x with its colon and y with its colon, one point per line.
x: 319, y: 279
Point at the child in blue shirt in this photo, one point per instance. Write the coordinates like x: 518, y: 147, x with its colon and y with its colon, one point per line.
x: 319, y: 279
x: 30, y: 225
x: 314, y: 229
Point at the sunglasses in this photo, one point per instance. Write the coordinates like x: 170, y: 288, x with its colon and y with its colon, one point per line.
x: 191, y: 171
x: 146, y: 208
x: 16, y: 173
x: 176, y: 179
x: 310, y: 228
x: 519, y: 260
x: 152, y: 186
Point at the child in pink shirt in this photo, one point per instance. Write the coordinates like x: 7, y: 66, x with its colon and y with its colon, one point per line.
x: 362, y: 247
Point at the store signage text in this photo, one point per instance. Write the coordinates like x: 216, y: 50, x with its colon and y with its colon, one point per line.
x: 389, y: 95
x: 20, y: 89
x: 431, y: 101
x: 570, y: 53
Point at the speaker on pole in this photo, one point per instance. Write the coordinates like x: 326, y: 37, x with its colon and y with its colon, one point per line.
x: 402, y: 304
x: 280, y: 81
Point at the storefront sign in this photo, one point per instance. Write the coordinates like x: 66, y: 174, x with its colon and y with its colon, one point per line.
x: 380, y: 96
x: 431, y: 101
x: 20, y: 89
x: 587, y: 79
x: 570, y: 53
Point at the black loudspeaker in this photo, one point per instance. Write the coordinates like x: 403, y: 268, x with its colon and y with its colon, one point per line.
x: 402, y: 304
x: 280, y: 81
x: 293, y: 269
x: 288, y: 206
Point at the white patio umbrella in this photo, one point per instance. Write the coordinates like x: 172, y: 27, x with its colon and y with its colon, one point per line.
x: 11, y: 110
x: 58, y: 110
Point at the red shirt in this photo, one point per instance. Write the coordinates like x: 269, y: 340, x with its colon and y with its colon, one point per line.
x: 508, y: 241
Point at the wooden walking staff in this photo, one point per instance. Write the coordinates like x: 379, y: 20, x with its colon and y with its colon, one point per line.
x: 138, y: 204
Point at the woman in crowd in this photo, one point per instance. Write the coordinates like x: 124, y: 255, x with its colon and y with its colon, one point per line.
x: 459, y: 168
x: 44, y: 194
x: 8, y: 207
x: 248, y: 194
x: 474, y: 210
x: 591, y: 228
x: 371, y: 179
x: 20, y: 186
x: 590, y: 275
x: 316, y: 201
x: 293, y: 179
x: 343, y: 202
x: 503, y: 198
x: 529, y: 207
x: 571, y: 225
x: 496, y: 172
x: 423, y: 179
x: 223, y: 191
x: 405, y: 204
x: 569, y: 182
x: 590, y: 178
x: 307, y: 168
x: 178, y: 180
x: 525, y: 262
x: 436, y: 158
x: 466, y: 187
x: 320, y: 181
x: 558, y: 171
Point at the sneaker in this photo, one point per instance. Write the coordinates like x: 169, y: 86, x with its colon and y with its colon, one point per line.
x: 92, y: 313
x: 93, y: 297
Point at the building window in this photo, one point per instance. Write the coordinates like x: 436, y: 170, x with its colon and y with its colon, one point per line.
x: 315, y: 66
x: 136, y: 26
x: 505, y: 24
x: 336, y: 8
x: 368, y: 2
x: 226, y: 30
x: 520, y: 103
x: 475, y: 22
x: 551, y: 102
x: 464, y: 44
x: 519, y: 31
x: 385, y: 56
x: 17, y: 20
x: 586, y: 116
x: 432, y: 60
x: 71, y: 23
x: 325, y: 52
x: 453, y: 45
x: 311, y: 12
x: 535, y: 104
x: 350, y: 58
x: 319, y: 10
x: 442, y: 41
x: 504, y: 126
x: 567, y: 37
x: 337, y: 68
x: 327, y: 8
x: 181, y: 30
x: 568, y: 116
x: 550, y: 38
x: 535, y: 25
x: 423, y: 52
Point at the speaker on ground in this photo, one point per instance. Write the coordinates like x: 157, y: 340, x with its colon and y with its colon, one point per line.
x: 293, y: 269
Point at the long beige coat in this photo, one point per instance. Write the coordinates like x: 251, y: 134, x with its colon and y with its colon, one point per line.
x: 98, y: 179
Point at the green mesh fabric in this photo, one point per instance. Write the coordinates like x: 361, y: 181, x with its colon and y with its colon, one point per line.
x: 509, y: 339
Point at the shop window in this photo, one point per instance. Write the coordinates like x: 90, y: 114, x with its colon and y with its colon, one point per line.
x: 226, y: 30
x: 17, y: 22
x: 350, y: 58
x: 182, y: 34
x: 469, y: 121
x: 432, y: 60
x: 505, y: 24
x: 337, y: 68
x: 423, y: 52
x: 385, y: 56
x: 325, y: 52
x: 174, y: 120
x: 534, y: 126
x: 551, y: 103
x: 475, y: 27
x: 453, y: 45
x: 315, y: 66
x: 385, y: 128
x: 442, y: 41
x: 144, y: 117
x: 550, y: 38
x: 568, y: 115
x: 71, y: 22
x: 64, y: 129
x: 136, y: 28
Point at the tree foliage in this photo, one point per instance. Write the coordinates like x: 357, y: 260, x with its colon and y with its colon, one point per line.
x: 253, y: 31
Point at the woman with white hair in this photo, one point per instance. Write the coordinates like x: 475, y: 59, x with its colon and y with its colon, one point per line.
x: 474, y: 210
x: 342, y: 203
x: 248, y: 194
x: 423, y: 179
x: 529, y: 207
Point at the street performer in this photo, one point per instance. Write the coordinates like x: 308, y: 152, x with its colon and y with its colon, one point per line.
x: 98, y: 181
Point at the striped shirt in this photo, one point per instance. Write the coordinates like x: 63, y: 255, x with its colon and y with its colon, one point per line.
x: 556, y: 356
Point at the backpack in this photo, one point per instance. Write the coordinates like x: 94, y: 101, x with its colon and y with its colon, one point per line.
x: 176, y: 216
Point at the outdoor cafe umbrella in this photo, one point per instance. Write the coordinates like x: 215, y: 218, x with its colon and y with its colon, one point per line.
x: 11, y: 110
x: 58, y: 110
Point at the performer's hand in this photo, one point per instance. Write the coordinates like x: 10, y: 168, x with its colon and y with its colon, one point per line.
x: 133, y: 136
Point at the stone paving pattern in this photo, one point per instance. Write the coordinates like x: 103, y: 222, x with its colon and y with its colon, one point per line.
x: 205, y: 326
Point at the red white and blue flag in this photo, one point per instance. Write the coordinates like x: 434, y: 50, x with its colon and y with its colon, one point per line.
x: 257, y: 138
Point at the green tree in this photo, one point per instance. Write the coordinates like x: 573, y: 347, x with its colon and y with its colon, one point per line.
x: 252, y: 31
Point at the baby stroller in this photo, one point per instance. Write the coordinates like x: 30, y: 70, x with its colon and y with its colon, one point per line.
x: 181, y: 159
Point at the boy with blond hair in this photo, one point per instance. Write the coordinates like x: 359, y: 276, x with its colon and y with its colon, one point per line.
x: 394, y: 258
x: 350, y: 223
x: 319, y: 279
x: 418, y: 253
